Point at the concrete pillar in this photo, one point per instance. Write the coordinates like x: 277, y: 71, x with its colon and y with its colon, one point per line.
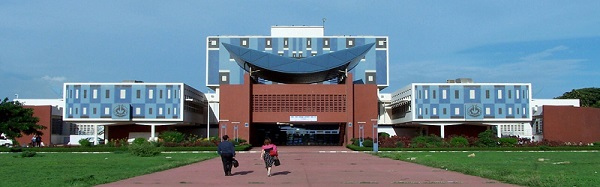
x: 95, y: 134
x: 442, y: 133
x: 152, y: 132
x: 498, y: 131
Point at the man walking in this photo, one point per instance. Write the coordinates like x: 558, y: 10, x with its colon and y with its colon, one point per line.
x: 227, y: 152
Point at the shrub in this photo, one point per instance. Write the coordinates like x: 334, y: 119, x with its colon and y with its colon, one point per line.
x: 28, y: 154
x: 383, y: 135
x: 368, y: 143
x: 459, y: 141
x: 487, y: 139
x: 15, y: 149
x: 144, y: 150
x: 172, y: 136
x: 508, y: 142
x: 427, y: 141
x: 85, y: 142
x: 394, y: 141
x: 139, y: 141
x: 239, y: 141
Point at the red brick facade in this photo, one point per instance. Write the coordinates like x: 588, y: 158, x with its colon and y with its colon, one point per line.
x: 44, y: 114
x: 571, y: 124
x: 268, y: 104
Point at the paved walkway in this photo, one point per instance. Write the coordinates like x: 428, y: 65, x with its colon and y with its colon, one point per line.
x: 309, y: 166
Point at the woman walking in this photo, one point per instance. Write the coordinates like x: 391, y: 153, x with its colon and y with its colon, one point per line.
x: 267, y: 156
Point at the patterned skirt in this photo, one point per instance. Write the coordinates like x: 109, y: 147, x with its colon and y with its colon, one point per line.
x: 268, y: 160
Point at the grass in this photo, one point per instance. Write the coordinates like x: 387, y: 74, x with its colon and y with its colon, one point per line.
x: 76, y: 169
x: 521, y: 168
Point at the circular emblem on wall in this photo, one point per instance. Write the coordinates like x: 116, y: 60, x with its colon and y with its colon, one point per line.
x: 120, y: 111
x: 474, y: 111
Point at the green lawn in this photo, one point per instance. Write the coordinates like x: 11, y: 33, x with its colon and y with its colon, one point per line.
x: 521, y: 168
x: 77, y: 169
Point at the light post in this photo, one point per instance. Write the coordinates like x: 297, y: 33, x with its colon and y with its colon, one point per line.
x: 361, y: 133
x: 235, y: 130
x: 375, y: 136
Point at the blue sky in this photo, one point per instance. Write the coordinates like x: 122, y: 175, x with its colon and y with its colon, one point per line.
x: 555, y: 45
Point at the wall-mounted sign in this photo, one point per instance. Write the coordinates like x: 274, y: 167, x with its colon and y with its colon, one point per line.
x: 303, y: 118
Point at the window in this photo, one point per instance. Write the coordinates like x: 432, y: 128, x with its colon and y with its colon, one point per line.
x: 456, y: 111
x: 106, y: 111
x: 138, y: 110
x: 138, y: 93
x: 487, y: 110
x: 244, y: 42
x: 433, y: 94
x: 94, y: 110
x: 70, y: 93
x: 444, y: 111
x: 350, y: 42
x: 419, y: 94
x: 160, y: 94
x: 70, y: 111
x: 443, y: 94
x: 175, y: 111
x: 434, y: 111
x: 95, y: 93
x: 487, y: 94
x: 499, y: 94
x: 150, y: 94
x: 149, y: 110
x: 160, y: 111
x: 500, y: 111
x: 168, y: 94
x: 517, y: 94
x: 268, y: 42
x: 107, y: 94
x: 471, y: 94
x: 509, y: 111
x: 456, y: 94
x: 84, y: 94
x: 420, y: 111
x: 223, y: 78
x: 76, y: 94
x: 123, y: 93
x: 509, y: 92
x: 426, y: 110
x: 426, y: 93
x: 326, y: 42
x: 370, y: 78
x: 518, y: 109
x: 84, y: 111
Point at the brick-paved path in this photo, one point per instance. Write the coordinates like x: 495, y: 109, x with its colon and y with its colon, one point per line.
x: 309, y: 166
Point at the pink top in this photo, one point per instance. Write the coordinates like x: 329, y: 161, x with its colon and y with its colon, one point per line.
x: 270, y: 146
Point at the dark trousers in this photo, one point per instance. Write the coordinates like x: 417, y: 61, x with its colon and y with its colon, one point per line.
x: 227, y: 159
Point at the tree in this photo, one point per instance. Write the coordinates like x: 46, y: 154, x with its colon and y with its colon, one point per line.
x: 16, y: 120
x: 588, y: 97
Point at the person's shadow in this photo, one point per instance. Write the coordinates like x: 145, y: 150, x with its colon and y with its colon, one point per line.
x: 281, y: 173
x: 242, y: 172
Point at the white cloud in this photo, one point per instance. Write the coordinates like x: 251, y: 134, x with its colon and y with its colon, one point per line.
x: 544, y: 54
x: 54, y: 79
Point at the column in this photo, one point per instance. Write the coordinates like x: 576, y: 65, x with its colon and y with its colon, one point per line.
x: 442, y: 133
x: 152, y: 132
x: 95, y: 134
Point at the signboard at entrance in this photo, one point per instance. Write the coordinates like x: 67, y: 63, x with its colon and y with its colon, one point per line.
x: 303, y: 118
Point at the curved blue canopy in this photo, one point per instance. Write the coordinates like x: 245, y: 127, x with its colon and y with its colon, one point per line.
x: 297, y: 70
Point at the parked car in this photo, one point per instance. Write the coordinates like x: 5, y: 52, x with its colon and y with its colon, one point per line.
x: 6, y: 142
